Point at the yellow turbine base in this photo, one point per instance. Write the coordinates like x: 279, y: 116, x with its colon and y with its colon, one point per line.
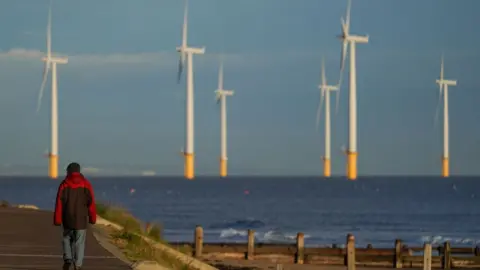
x: 53, y: 166
x: 223, y: 168
x: 352, y: 165
x: 189, y: 166
x: 327, y: 169
x: 445, y: 167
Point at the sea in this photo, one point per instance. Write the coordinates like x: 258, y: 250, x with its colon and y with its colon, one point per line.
x: 376, y: 210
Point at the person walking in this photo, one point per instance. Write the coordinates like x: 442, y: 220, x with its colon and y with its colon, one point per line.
x: 74, y: 203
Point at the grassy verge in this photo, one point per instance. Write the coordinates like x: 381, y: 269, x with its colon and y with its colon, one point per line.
x: 129, y: 240
x: 4, y: 203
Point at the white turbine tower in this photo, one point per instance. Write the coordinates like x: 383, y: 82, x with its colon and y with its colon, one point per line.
x: 188, y: 52
x: 51, y: 61
x: 352, y: 40
x: 221, y: 96
x: 325, y: 96
x: 444, y: 84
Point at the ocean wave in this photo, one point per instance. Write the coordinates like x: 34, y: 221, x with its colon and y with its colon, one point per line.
x: 231, y: 233
x: 248, y: 223
x: 271, y: 236
x: 439, y: 239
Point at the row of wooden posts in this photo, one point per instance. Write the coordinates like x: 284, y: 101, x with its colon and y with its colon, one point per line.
x: 350, y: 260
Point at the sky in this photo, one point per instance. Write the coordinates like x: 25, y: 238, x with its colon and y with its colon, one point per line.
x: 122, y: 111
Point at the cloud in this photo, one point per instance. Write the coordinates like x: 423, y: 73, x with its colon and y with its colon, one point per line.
x: 91, y: 170
x: 248, y: 60
x: 162, y: 58
x: 169, y: 58
x: 21, y: 53
x: 118, y: 58
x: 148, y: 173
x: 140, y: 58
x: 115, y: 58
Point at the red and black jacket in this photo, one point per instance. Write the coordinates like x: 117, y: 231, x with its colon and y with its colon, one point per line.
x: 75, y: 203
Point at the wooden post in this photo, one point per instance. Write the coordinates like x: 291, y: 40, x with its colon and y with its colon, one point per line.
x: 251, y: 244
x: 447, y: 261
x: 300, y: 248
x: 427, y: 256
x: 397, y: 263
x: 198, y: 241
x: 350, y: 252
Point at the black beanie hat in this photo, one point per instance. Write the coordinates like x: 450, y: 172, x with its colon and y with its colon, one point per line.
x: 73, y: 167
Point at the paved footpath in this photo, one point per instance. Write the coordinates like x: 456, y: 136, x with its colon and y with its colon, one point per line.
x: 29, y: 240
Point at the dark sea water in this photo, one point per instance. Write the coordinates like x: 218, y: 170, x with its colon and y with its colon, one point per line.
x: 375, y: 209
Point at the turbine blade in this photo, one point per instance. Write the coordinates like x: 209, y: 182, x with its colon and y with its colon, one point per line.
x: 220, y: 76
x: 344, y: 54
x: 340, y: 79
x: 185, y: 25
x: 319, y: 109
x: 180, y: 69
x: 437, y: 109
x: 347, y: 21
x: 324, y: 78
x: 44, y: 81
x: 49, y: 31
x: 337, y: 98
x: 218, y: 96
x: 441, y: 69
x: 181, y: 62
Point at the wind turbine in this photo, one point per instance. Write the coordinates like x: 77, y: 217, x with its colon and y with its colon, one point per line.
x: 51, y: 62
x: 325, y: 94
x: 352, y: 40
x: 187, y: 53
x: 221, y: 97
x: 444, y: 84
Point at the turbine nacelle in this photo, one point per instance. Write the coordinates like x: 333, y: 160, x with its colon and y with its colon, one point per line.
x: 192, y: 50
x: 447, y: 82
x: 219, y: 93
x: 58, y: 60
x: 328, y: 87
x: 183, y: 50
x: 225, y: 92
x: 357, y: 39
x: 353, y: 38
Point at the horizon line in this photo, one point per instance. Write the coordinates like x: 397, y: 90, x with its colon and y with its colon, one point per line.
x: 244, y: 176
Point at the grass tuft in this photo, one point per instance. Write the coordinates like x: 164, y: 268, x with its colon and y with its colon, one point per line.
x: 129, y: 240
x: 4, y: 203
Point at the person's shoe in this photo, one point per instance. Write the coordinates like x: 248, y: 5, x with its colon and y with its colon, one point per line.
x: 66, y: 265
